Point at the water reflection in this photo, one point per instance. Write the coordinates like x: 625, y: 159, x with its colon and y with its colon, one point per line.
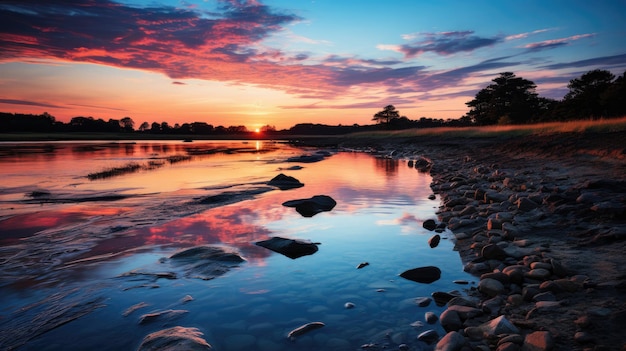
x: 57, y: 247
x: 387, y: 166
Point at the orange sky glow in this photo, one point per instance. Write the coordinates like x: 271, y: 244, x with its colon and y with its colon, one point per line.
x: 257, y: 63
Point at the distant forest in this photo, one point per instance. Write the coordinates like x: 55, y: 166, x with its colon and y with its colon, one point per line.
x: 508, y: 100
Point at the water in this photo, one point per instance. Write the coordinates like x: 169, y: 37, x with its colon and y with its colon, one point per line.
x: 66, y: 247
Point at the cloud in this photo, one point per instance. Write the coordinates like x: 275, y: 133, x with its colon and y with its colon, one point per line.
x: 554, y: 43
x: 29, y: 103
x: 442, y: 43
x: 526, y: 35
x: 616, y: 60
x: 178, y: 83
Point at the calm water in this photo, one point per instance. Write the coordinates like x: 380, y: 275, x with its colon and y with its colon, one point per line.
x: 66, y: 243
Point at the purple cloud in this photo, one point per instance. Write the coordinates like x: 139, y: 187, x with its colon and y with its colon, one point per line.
x: 28, y: 103
x: 447, y: 43
x: 554, y: 43
x: 616, y: 60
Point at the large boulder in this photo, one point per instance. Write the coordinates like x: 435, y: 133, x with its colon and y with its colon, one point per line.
x: 312, y: 206
x: 285, y: 182
x: 425, y: 275
x: 289, y: 247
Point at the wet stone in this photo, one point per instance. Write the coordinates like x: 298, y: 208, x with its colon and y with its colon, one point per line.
x: 175, y: 338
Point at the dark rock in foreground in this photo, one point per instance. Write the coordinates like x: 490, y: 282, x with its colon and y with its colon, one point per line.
x: 425, y: 275
x: 289, y: 247
x: 176, y: 338
x: 285, y: 182
x: 312, y: 206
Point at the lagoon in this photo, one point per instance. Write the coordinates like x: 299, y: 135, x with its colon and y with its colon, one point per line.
x: 85, y: 259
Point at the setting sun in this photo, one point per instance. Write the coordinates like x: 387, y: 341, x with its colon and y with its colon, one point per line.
x: 257, y: 130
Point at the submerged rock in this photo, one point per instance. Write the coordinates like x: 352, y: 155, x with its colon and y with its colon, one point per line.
x: 306, y: 158
x: 161, y: 316
x: 176, y: 338
x: 312, y: 206
x: 285, y: 182
x: 292, y: 248
x: 304, y: 329
x: 206, y: 262
x: 425, y: 275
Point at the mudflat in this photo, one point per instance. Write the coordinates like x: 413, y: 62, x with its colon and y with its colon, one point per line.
x: 541, y: 219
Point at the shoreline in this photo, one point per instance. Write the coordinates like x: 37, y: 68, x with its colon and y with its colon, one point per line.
x: 541, y: 220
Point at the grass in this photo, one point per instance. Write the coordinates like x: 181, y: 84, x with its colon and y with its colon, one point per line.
x: 133, y: 167
x: 582, y: 126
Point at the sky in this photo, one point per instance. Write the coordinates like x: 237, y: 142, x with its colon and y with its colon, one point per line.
x: 284, y: 62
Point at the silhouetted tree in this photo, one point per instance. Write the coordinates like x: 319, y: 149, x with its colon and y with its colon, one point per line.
x: 614, y: 98
x: 584, y: 96
x: 144, y: 127
x: 510, y: 100
x: 385, y: 116
x: 127, y: 124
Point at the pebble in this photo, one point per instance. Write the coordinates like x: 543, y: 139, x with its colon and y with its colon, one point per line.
x: 348, y: 305
x: 430, y: 317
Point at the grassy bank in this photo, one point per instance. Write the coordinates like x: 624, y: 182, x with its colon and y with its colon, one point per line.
x: 508, y: 131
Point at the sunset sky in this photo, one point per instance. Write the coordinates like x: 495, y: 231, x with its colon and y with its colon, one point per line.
x: 283, y: 62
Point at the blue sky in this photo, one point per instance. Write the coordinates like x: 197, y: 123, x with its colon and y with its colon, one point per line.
x: 286, y: 62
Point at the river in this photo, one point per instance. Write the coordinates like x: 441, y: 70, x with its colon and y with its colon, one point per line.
x: 88, y: 229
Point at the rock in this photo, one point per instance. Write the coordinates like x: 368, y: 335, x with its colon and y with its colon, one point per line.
x: 348, y: 305
x: 538, y: 274
x: 425, y: 275
x: 465, y: 312
x: 429, y: 224
x: 289, y: 247
x: 538, y: 341
x: 493, y: 252
x: 525, y: 204
x: 423, y: 301
x: 450, y: 320
x: 176, y: 338
x: 362, y: 264
x: 161, y: 316
x: 429, y: 336
x: 546, y: 296
x: 303, y: 329
x: 285, y: 182
x: 452, y: 341
x: 312, y: 206
x: 497, y: 326
x: 206, y: 262
x: 490, y: 287
x: 442, y: 297
x: 306, y: 158
x: 583, y: 337
x: 508, y: 346
x: 430, y: 318
x: 434, y: 240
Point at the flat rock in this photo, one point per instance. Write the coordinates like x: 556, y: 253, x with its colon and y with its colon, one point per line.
x: 206, y: 262
x: 425, y: 275
x: 312, y: 206
x: 176, y: 338
x: 292, y: 248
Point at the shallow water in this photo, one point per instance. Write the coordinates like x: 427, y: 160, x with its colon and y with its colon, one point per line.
x: 67, y: 244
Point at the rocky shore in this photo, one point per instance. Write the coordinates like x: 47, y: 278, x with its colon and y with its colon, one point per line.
x: 541, y: 220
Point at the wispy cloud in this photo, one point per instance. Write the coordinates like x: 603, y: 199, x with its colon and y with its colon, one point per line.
x: 442, y: 43
x: 554, y: 43
x: 526, y: 34
x: 29, y: 103
x: 605, y: 61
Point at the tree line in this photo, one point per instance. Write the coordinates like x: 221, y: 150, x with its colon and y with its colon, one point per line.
x: 507, y: 100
